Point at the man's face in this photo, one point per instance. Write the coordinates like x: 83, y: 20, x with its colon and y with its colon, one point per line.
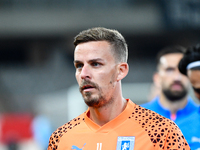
x: 194, y: 77
x: 96, y: 72
x: 173, y: 84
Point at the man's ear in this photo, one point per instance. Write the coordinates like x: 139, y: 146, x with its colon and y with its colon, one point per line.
x: 123, y: 69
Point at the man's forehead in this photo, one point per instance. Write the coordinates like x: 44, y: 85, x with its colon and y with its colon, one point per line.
x: 171, y: 60
x: 163, y: 60
x: 93, y: 51
x: 93, y: 47
x: 164, y: 63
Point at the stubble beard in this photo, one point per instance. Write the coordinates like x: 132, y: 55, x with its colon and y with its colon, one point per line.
x: 89, y: 98
x: 175, y: 96
x: 96, y: 102
x: 99, y: 100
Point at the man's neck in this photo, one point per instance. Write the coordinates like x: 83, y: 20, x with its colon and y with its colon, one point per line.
x: 108, y: 112
x: 173, y: 106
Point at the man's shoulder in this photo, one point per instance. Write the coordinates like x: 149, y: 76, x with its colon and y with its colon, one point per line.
x: 159, y: 128
x: 141, y: 113
x: 151, y: 104
x: 152, y: 121
x: 70, y: 125
x: 59, y: 132
x: 192, y: 104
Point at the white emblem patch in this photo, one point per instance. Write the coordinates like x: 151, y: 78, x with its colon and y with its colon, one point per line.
x: 125, y: 142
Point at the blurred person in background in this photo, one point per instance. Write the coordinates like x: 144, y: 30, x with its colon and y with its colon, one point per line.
x: 111, y: 121
x: 24, y: 131
x: 173, y: 101
x: 190, y: 66
x: 42, y: 129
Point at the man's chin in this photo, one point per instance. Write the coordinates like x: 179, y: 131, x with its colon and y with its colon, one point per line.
x: 91, y: 103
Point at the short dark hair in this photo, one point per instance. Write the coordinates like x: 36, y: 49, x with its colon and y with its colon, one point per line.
x: 113, y: 37
x: 192, y: 54
x: 169, y: 50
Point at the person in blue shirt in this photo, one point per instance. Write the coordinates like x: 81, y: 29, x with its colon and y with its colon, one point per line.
x: 189, y: 65
x: 173, y: 101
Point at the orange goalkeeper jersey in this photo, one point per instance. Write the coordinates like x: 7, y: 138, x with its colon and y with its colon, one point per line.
x: 136, y: 128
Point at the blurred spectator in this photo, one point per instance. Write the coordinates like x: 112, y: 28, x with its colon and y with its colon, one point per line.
x: 24, y: 131
x: 42, y: 130
x: 173, y: 101
x: 190, y: 66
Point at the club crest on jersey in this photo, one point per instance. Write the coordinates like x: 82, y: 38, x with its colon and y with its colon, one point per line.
x: 125, y: 142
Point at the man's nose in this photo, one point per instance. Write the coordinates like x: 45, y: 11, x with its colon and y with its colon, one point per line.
x: 178, y: 75
x: 85, y: 72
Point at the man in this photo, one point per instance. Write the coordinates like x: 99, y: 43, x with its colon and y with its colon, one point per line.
x: 190, y: 66
x: 173, y: 101
x: 111, y: 121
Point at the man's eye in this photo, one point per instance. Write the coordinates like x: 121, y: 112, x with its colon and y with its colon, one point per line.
x: 95, y: 64
x: 170, y: 70
x: 78, y: 66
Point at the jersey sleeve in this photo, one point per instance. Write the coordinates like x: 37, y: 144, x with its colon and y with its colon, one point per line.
x: 54, y: 140
x: 58, y: 134
x: 164, y: 134
x: 175, y: 139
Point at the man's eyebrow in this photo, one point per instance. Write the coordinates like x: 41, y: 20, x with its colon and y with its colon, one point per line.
x: 92, y: 60
x: 76, y: 61
x: 170, y: 67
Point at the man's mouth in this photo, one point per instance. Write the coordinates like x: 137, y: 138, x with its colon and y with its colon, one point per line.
x: 87, y: 87
x: 177, y: 86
